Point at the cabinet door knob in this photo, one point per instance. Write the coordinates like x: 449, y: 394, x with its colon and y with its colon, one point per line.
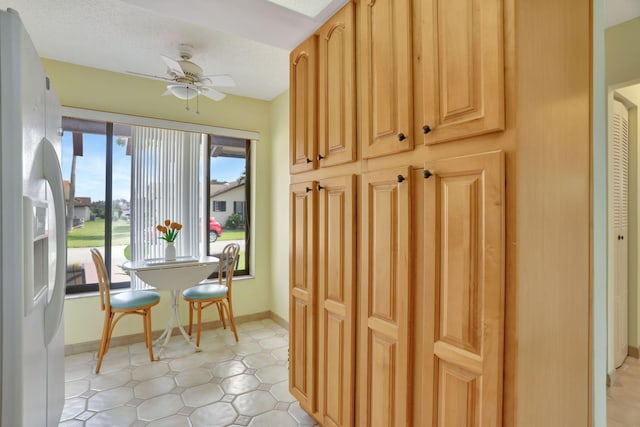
x: 309, y: 160
x: 308, y: 189
x: 320, y: 187
x: 400, y: 178
x: 426, y: 173
x: 320, y: 157
x: 402, y: 136
x: 426, y: 129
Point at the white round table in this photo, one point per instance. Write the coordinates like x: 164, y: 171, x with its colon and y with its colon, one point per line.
x: 174, y: 276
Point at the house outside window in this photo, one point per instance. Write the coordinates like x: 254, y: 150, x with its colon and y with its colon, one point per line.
x: 218, y: 205
x: 229, y: 189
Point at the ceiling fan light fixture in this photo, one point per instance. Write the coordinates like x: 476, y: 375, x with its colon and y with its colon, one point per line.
x: 183, y: 91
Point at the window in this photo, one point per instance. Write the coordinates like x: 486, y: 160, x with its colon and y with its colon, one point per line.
x: 218, y: 206
x: 96, y: 170
x: 228, y: 193
x: 238, y: 208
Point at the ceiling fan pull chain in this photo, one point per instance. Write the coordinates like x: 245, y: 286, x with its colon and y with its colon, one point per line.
x: 187, y: 98
x: 197, y: 103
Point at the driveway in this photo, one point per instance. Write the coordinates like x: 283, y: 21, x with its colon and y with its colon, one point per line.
x: 82, y: 256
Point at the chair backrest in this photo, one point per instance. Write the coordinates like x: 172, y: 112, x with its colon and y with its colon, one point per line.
x: 227, y: 264
x: 103, y: 279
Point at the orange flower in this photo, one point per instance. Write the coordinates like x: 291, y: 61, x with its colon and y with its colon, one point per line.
x: 169, y: 229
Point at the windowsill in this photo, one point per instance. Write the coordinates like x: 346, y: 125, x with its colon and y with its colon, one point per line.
x: 235, y: 278
x: 91, y: 294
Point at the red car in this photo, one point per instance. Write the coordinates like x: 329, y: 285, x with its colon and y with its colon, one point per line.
x: 215, y: 229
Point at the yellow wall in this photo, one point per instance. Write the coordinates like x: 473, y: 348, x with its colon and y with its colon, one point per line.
x: 622, y: 68
x: 623, y: 53
x: 632, y: 94
x: 93, y: 89
x: 280, y: 201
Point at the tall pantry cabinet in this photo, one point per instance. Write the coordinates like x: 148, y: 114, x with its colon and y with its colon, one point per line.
x: 409, y: 281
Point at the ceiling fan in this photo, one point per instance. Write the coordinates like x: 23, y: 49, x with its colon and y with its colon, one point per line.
x: 186, y: 80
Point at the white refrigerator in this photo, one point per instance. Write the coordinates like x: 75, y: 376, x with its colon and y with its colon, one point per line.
x: 32, y: 235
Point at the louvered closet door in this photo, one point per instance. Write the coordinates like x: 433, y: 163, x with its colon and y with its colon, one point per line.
x: 620, y: 225
x: 464, y: 291
x: 302, y: 294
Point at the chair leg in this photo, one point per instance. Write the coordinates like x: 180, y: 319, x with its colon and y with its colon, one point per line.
x: 147, y: 332
x: 190, y: 316
x: 199, y: 325
x: 221, y: 314
x: 231, y: 319
x: 104, y: 343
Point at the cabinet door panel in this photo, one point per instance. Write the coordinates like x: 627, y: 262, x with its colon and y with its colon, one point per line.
x: 302, y: 324
x: 384, y: 294
x: 337, y: 95
x: 464, y: 288
x: 336, y: 280
x: 463, y: 68
x: 303, y: 110
x: 386, y: 109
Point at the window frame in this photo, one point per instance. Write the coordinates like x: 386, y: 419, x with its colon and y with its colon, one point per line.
x: 108, y: 220
x: 250, y: 136
x: 246, y: 271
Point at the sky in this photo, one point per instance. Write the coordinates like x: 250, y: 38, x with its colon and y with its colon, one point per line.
x: 91, y: 167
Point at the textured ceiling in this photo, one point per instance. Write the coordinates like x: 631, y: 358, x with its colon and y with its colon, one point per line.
x: 130, y: 35
x: 248, y: 39
x: 618, y: 11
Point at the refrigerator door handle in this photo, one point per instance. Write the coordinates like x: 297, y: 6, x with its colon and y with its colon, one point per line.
x: 53, y: 175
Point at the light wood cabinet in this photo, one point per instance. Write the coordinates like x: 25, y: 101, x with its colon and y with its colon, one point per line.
x: 302, y: 295
x: 303, y: 104
x: 323, y: 96
x: 463, y: 212
x: 337, y: 89
x: 322, y: 298
x: 384, y: 74
x: 384, y: 295
x: 470, y: 301
x: 336, y: 297
x: 462, y: 68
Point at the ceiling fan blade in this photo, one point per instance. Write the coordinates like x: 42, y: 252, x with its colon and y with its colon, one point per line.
x: 173, y: 66
x: 220, y: 80
x: 212, y: 93
x: 149, y: 76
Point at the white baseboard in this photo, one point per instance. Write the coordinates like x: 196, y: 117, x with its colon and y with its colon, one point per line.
x: 612, y: 378
x: 134, y: 338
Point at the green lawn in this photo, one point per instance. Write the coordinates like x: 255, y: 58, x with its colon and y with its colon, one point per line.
x: 232, y: 235
x: 92, y: 234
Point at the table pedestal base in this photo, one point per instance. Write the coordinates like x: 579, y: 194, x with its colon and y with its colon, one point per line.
x: 174, y: 321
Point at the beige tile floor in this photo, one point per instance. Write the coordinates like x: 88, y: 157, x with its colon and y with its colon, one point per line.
x: 227, y: 384
x: 623, y: 398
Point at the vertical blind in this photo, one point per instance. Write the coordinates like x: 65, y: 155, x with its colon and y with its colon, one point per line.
x: 164, y: 185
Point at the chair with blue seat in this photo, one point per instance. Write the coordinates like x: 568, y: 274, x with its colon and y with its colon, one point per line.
x: 205, y: 295
x: 117, y: 306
